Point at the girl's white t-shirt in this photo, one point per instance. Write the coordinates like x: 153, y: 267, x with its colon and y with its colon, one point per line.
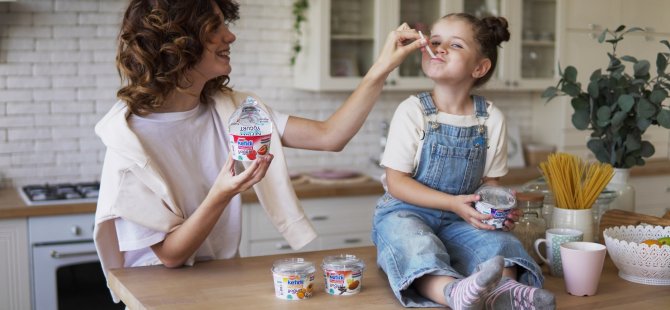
x: 403, y: 146
x: 191, y: 148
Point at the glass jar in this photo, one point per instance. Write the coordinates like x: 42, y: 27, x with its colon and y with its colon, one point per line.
x: 532, y: 225
x: 540, y: 185
x: 601, y: 205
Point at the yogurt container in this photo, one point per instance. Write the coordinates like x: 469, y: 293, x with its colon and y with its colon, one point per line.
x: 497, y: 201
x: 293, y: 278
x: 343, y: 274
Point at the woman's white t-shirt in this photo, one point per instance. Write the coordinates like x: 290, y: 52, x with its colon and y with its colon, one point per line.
x: 191, y: 148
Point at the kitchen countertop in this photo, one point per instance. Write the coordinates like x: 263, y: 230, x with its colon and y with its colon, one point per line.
x: 247, y: 283
x: 11, y: 205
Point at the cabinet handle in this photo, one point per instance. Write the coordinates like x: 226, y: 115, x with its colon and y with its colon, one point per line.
x: 392, y: 82
x: 319, y: 218
x: 667, y: 190
x: 515, y: 83
x: 352, y: 240
x: 282, y: 246
x: 56, y: 254
x: 648, y: 37
x: 594, y: 26
x: 507, y: 83
x: 75, y: 230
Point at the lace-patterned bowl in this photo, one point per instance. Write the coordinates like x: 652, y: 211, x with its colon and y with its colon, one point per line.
x: 638, y: 262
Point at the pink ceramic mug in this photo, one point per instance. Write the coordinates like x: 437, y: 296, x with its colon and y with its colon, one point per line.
x: 582, y: 266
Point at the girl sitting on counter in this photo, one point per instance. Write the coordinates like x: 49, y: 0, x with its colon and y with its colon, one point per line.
x: 442, y: 146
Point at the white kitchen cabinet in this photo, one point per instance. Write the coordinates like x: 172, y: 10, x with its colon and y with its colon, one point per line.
x: 652, y: 194
x: 14, y: 264
x: 340, y: 223
x: 552, y: 123
x: 528, y: 60
x: 343, y: 38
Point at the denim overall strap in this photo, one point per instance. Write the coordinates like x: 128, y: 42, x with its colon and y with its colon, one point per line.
x: 452, y: 158
x: 482, y: 115
x: 427, y: 104
x: 480, y: 107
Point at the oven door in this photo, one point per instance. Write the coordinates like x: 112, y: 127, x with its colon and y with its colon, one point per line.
x: 67, y: 275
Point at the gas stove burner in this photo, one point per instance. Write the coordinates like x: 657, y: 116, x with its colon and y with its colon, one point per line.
x: 60, y: 193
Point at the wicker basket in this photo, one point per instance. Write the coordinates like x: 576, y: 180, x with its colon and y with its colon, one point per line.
x: 638, y: 262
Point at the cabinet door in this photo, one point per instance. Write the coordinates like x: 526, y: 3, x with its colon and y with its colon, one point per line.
x: 528, y: 61
x: 593, y: 15
x: 14, y: 268
x: 338, y: 44
x: 418, y: 15
x: 339, y: 222
x: 652, y: 195
x: 647, y: 14
x: 537, y: 57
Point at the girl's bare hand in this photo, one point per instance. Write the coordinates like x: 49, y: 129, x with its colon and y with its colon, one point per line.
x: 471, y: 216
x: 512, y: 218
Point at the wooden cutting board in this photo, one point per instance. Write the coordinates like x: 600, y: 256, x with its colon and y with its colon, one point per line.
x: 617, y: 217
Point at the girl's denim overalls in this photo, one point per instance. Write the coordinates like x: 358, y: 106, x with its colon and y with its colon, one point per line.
x: 413, y: 241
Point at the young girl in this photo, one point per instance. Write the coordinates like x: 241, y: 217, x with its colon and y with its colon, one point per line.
x: 442, y: 146
x: 169, y: 192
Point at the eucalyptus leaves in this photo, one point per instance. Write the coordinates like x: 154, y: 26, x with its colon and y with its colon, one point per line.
x: 299, y: 8
x: 616, y: 106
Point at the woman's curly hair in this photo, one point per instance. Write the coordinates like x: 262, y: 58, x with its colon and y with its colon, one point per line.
x: 159, y: 41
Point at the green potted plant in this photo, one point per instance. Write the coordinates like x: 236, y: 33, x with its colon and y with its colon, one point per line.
x: 616, y: 106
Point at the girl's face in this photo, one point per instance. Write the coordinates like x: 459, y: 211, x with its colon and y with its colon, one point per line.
x: 215, y: 59
x: 457, y: 53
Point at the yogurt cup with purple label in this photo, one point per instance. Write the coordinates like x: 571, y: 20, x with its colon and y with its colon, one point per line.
x: 496, y: 201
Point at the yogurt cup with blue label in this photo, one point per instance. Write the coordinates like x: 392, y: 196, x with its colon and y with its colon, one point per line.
x: 496, y: 201
x: 342, y: 274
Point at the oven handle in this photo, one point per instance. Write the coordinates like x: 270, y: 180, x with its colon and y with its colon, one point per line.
x: 56, y: 254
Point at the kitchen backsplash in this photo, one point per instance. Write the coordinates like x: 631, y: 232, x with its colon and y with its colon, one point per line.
x: 58, y: 78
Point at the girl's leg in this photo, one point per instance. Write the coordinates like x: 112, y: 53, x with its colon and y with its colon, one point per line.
x: 469, y: 245
x: 407, y: 250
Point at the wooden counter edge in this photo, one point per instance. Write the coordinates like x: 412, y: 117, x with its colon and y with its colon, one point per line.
x: 123, y: 293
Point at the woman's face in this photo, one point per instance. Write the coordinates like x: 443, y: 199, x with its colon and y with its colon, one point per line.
x: 457, y: 52
x: 215, y: 59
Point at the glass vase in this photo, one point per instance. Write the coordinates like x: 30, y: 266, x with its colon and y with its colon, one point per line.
x: 625, y: 192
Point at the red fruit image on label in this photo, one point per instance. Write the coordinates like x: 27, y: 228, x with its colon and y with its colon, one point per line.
x: 263, y: 150
x: 252, y: 155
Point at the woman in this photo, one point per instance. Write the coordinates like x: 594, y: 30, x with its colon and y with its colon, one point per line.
x: 169, y: 191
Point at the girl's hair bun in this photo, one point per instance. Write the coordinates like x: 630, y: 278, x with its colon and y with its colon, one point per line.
x: 498, y: 27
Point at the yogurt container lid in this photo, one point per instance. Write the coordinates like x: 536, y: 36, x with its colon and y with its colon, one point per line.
x: 288, y: 266
x: 499, y: 197
x: 343, y: 262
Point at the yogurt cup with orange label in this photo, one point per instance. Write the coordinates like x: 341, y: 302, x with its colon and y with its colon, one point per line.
x: 343, y: 274
x: 293, y: 278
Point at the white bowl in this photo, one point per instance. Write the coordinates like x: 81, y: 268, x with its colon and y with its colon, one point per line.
x: 638, y: 262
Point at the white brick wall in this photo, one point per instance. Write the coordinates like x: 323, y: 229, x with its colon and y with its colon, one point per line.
x: 57, y: 78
